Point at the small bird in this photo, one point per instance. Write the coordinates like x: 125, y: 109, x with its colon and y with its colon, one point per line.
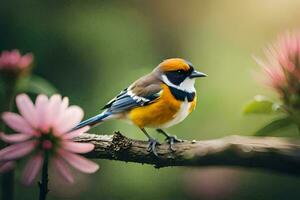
x: 159, y: 100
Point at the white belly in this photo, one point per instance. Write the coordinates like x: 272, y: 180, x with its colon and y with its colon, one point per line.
x: 180, y: 116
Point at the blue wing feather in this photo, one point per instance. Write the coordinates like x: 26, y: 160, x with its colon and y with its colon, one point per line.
x: 126, y: 101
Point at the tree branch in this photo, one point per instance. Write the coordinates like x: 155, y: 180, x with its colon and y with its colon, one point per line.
x: 267, y: 153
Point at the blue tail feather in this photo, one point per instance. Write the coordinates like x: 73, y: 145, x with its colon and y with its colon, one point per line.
x: 93, y: 120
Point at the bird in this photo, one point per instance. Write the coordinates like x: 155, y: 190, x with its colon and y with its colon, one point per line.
x: 160, y: 99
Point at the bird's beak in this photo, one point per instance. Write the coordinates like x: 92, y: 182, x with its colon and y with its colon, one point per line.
x: 196, y: 74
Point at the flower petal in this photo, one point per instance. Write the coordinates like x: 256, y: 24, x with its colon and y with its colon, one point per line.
x: 25, y: 61
x: 32, y: 169
x: 63, y: 169
x: 76, y: 133
x: 41, y: 105
x: 77, y: 147
x: 18, y: 123
x: 53, y: 109
x: 65, y: 103
x: 16, y: 151
x: 62, y: 108
x: 7, y: 166
x: 14, y: 138
x: 70, y: 118
x: 79, y: 162
x: 27, y: 109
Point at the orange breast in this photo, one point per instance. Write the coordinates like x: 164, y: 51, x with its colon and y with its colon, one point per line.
x: 160, y: 112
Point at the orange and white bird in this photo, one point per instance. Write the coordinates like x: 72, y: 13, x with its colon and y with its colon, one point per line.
x: 160, y: 99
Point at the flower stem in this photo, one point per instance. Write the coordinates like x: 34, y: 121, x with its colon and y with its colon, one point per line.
x: 43, y: 184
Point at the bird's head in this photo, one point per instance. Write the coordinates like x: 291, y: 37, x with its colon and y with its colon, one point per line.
x: 178, y: 73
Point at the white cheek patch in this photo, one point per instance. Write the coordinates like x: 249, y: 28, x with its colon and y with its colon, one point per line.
x: 186, y: 85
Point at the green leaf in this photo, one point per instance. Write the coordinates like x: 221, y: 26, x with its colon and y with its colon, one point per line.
x: 274, y: 126
x: 261, y: 105
x: 37, y: 85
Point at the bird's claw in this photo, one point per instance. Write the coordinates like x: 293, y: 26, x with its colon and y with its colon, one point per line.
x: 171, y: 140
x: 152, y: 143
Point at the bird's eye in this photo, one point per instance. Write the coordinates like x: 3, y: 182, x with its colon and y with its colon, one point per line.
x: 180, y: 71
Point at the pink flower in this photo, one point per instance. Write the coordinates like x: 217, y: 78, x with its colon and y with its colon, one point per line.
x: 14, y: 61
x: 282, y: 65
x: 46, y: 127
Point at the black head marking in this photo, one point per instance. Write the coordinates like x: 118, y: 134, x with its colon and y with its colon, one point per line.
x: 178, y: 76
x: 182, y: 95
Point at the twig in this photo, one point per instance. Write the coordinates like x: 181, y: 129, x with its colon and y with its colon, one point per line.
x: 267, y: 153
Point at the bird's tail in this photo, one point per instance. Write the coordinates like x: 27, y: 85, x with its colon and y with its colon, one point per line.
x: 93, y: 120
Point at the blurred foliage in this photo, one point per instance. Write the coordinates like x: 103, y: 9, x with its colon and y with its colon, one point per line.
x: 261, y: 105
x: 90, y: 50
x: 275, y: 125
x: 36, y: 85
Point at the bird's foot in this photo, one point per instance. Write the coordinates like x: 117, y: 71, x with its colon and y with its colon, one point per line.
x: 152, y: 143
x: 171, y: 140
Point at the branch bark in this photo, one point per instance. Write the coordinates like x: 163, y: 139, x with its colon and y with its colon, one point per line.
x: 267, y: 153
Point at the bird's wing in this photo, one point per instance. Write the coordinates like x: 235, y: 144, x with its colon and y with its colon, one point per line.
x: 143, y: 92
x: 109, y: 104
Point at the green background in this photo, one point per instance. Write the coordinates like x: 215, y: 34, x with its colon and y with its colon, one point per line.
x: 90, y: 50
